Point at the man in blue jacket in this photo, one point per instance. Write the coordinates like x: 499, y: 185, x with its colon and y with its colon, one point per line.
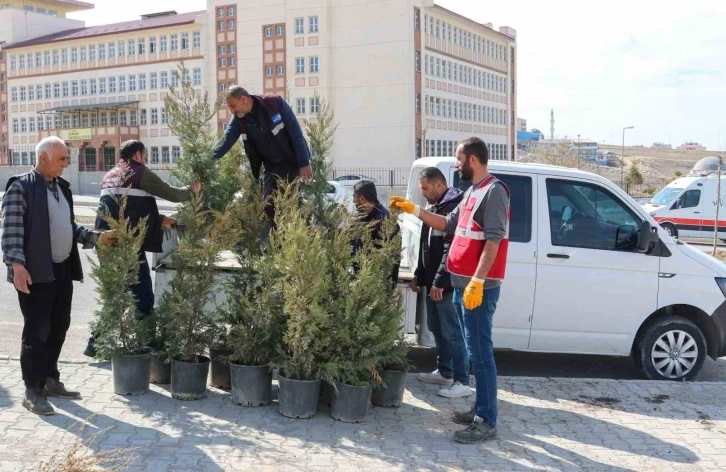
x: 271, y: 136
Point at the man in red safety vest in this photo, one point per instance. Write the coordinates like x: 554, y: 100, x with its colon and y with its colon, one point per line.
x: 477, y: 262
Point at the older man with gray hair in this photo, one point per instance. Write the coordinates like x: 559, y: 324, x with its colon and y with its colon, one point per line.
x: 39, y: 237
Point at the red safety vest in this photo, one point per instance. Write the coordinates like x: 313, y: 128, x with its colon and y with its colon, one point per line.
x: 468, y: 243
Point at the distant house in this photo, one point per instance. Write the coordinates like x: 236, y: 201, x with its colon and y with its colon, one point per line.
x: 691, y: 146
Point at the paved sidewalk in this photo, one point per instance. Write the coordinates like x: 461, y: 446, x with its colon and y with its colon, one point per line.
x: 546, y: 424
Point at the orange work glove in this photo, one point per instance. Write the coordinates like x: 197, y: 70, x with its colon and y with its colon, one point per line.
x: 474, y: 294
x: 400, y: 203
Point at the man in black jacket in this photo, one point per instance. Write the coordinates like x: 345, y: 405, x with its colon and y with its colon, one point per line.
x: 441, y: 318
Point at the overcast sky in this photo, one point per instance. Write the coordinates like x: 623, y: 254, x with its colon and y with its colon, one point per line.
x: 657, y: 66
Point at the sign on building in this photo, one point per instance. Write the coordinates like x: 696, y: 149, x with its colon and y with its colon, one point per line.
x: 76, y: 134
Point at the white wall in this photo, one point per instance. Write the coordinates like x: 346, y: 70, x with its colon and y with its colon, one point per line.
x: 18, y: 25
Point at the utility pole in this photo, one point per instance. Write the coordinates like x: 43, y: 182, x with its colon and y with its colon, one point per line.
x: 718, y: 206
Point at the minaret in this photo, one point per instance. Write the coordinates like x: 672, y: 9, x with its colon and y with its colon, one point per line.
x: 552, y: 124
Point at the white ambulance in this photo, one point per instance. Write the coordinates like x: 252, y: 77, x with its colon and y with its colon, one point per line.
x: 686, y: 207
x: 589, y: 271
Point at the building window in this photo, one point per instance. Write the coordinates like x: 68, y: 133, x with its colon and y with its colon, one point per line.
x: 132, y: 83
x: 74, y: 54
x: 268, y: 32
x: 300, y: 65
x: 94, y: 90
x: 222, y: 49
x: 268, y: 71
x: 223, y: 62
x: 164, y: 79
x: 174, y: 42
x: 122, y: 83
x: 280, y: 70
x: 66, y: 90
x: 123, y: 118
x: 165, y: 154
x: 418, y: 103
x: 112, y: 85
x: 314, y: 64
x: 313, y: 24
x: 84, y: 54
x: 121, y: 48
x: 102, y: 85
x: 56, y: 57
x: 220, y: 12
x: 301, y: 106
x: 230, y: 24
x: 38, y: 92
x: 418, y: 61
x: 84, y: 120
x: 142, y: 118
x: 221, y: 87
x: 23, y: 125
x: 185, y: 40
x: 230, y: 11
x: 132, y: 47
x: 232, y: 61
x: 102, y: 51
x: 46, y: 58
x: 13, y: 63
x: 197, y: 39
x: 154, y: 81
x: 299, y: 25
x: 280, y: 30
x: 56, y: 90
x: 162, y: 43
x: 197, y: 76
x: 175, y: 153
x: 314, y: 105
x: 103, y: 118
x: 232, y: 49
x: 92, y: 52
x: 175, y: 79
x: 142, y: 46
x: 114, y: 119
x: 152, y: 45
x: 220, y: 26
x: 84, y: 87
x: 16, y: 125
x: 163, y: 116
x: 154, y: 155
x: 111, y: 50
x: 64, y: 56
x: 142, y: 81
x: 416, y: 20
x: 13, y: 94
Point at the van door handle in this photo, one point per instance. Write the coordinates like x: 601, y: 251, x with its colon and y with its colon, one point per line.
x: 696, y: 212
x: 558, y: 256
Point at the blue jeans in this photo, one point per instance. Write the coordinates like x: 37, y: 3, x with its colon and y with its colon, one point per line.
x: 447, y: 326
x: 478, y: 335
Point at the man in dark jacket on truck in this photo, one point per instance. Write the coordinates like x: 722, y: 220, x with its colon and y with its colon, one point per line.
x: 271, y: 136
x: 441, y: 319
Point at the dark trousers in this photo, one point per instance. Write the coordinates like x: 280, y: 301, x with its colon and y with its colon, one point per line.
x: 144, y: 289
x: 47, y: 314
x: 270, y: 184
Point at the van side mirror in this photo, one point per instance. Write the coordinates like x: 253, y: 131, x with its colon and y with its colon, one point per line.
x: 647, y: 237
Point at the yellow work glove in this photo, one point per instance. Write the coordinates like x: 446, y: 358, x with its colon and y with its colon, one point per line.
x: 400, y: 203
x: 474, y: 294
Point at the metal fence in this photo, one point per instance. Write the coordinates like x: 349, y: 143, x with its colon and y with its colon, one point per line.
x: 381, y: 176
x: 646, y: 189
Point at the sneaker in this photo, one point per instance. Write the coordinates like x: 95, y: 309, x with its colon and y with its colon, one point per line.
x: 477, y: 431
x: 456, y: 390
x: 55, y: 388
x: 35, y: 402
x: 464, y: 417
x: 434, y: 377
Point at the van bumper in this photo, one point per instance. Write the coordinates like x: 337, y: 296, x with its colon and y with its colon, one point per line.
x: 719, y: 319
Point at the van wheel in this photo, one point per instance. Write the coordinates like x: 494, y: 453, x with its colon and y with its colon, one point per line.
x: 670, y: 229
x: 672, y: 348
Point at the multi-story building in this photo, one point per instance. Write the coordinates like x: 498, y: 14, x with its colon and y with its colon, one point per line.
x: 97, y: 87
x: 405, y: 78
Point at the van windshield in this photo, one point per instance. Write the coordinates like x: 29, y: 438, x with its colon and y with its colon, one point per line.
x: 666, y: 196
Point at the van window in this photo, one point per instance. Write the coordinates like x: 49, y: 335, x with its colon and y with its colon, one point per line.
x: 520, y: 207
x: 690, y: 199
x: 589, y: 216
x: 666, y: 196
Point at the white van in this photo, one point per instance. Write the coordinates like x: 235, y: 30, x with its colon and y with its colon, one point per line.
x: 686, y: 207
x: 590, y: 272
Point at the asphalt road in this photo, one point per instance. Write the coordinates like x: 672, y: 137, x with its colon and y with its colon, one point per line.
x: 508, y: 363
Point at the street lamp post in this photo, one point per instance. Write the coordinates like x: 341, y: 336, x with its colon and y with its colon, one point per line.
x: 578, y: 151
x: 622, y: 159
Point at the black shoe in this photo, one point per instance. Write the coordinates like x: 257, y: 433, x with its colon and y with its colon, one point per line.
x: 35, y: 402
x: 55, y: 388
x: 90, y: 348
x: 464, y: 417
x: 475, y: 432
